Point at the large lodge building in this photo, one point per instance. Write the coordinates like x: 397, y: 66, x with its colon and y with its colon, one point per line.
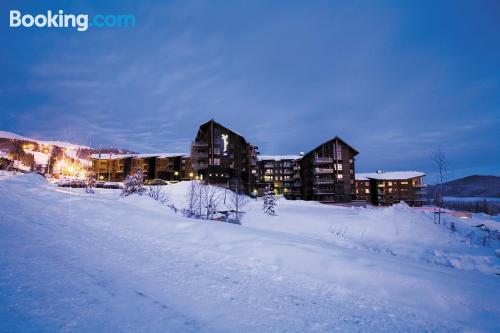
x: 222, y: 157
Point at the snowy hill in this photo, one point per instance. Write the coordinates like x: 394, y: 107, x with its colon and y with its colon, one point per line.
x: 471, y: 186
x: 62, y: 144
x: 71, y: 261
x: 41, y: 150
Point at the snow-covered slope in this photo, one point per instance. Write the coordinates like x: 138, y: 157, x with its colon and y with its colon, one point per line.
x: 41, y: 158
x: 71, y: 261
x: 62, y: 144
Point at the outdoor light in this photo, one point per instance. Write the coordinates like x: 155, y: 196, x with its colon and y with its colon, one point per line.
x: 176, y: 173
x: 191, y: 174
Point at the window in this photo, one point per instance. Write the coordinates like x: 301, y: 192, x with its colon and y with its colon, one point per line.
x: 216, y: 161
x: 340, y: 176
x: 367, y: 183
x: 367, y: 191
x: 404, y: 183
x: 389, y: 183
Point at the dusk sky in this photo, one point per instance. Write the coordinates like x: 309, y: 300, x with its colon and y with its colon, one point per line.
x: 394, y: 79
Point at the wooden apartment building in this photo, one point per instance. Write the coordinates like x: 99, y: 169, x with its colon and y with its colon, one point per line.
x: 224, y: 158
x: 327, y: 172
x: 167, y: 166
x: 387, y: 188
x: 276, y: 173
x: 324, y: 174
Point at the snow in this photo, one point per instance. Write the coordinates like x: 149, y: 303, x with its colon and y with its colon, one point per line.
x: 389, y: 175
x: 13, y: 136
x: 278, y: 157
x: 71, y: 261
x: 118, y: 156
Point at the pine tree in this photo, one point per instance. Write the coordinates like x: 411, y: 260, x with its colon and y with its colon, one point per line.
x: 133, y: 184
x: 269, y: 205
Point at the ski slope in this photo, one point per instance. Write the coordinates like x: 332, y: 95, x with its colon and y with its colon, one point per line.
x: 71, y: 261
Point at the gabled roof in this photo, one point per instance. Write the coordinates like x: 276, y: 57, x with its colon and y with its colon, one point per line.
x: 389, y: 175
x: 224, y: 127
x: 335, y: 138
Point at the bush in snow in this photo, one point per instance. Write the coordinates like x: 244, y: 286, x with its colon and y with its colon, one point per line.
x: 269, y: 204
x: 157, y: 194
x: 133, y: 184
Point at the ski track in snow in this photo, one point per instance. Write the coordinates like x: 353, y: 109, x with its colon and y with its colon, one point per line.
x: 80, y: 263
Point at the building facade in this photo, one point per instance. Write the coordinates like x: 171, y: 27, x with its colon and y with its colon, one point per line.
x: 326, y: 173
x: 276, y: 173
x: 224, y: 158
x: 115, y: 167
x: 387, y: 188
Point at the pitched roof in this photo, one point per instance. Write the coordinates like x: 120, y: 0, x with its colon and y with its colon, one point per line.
x: 335, y: 138
x: 389, y: 175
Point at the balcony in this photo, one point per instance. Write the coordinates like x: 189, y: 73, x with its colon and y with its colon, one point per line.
x: 200, y: 144
x: 319, y: 160
x: 200, y: 155
x: 324, y: 181
x: 323, y: 170
x: 199, y: 166
x: 324, y: 192
x: 269, y: 165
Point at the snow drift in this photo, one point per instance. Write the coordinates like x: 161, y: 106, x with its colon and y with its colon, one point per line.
x: 71, y: 261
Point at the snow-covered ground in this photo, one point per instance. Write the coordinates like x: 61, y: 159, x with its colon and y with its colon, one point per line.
x: 71, y: 261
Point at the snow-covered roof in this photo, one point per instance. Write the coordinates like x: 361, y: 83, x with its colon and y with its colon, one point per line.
x: 12, y: 136
x: 278, y: 157
x: 118, y: 156
x: 389, y: 175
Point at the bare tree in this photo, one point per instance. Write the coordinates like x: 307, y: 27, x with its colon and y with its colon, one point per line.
x: 192, y: 199
x: 439, y: 160
x: 238, y: 201
x: 209, y: 201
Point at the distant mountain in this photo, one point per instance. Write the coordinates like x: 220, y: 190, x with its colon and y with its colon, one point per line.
x: 471, y: 186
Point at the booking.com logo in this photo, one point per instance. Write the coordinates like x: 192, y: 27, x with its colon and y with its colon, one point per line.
x: 61, y: 20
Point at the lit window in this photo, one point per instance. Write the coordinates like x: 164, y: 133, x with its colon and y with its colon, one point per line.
x: 367, y: 191
x: 404, y: 183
